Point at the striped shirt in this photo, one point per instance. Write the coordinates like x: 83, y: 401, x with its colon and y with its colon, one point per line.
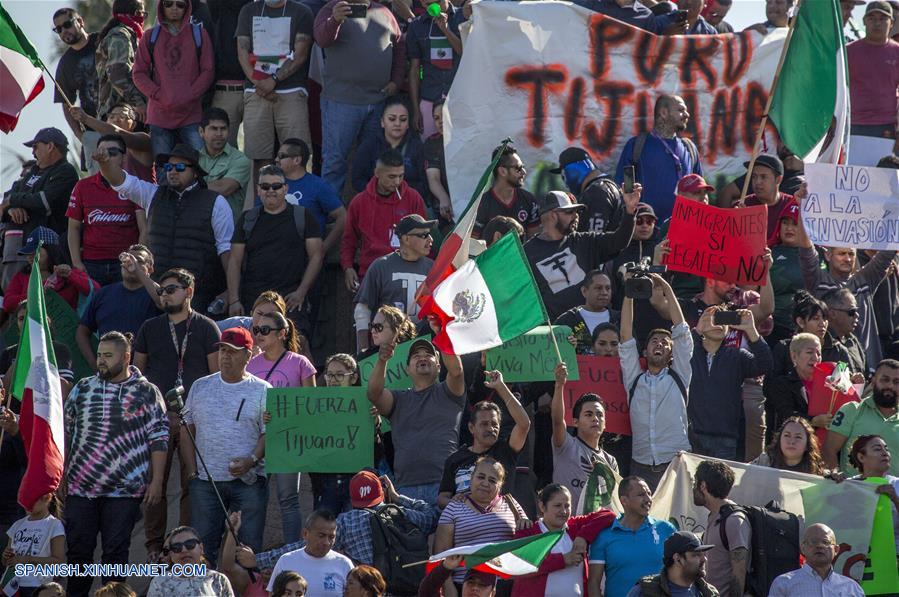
x: 471, y: 527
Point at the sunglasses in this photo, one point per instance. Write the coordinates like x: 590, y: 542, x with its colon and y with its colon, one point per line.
x: 171, y: 3
x: 176, y: 167
x: 271, y: 186
x: 377, y: 327
x: 264, y: 330
x: 170, y: 289
x: 644, y: 220
x: 421, y: 235
x: 849, y: 312
x: 65, y: 25
x: 114, y: 151
x: 179, y: 547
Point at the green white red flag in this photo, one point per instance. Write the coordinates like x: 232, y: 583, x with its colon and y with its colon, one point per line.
x: 506, y: 559
x: 36, y: 384
x: 489, y: 300
x: 20, y: 72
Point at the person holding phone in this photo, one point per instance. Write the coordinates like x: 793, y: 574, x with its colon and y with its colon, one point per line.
x: 716, y: 385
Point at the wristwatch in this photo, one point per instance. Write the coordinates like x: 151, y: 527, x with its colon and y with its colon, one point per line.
x: 254, y: 459
x: 275, y: 77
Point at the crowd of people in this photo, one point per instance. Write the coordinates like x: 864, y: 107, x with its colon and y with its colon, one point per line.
x: 232, y: 147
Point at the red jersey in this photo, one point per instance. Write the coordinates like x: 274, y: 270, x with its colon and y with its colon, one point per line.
x: 108, y: 222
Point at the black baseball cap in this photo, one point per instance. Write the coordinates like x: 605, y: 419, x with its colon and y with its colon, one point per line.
x: 421, y: 343
x: 768, y: 161
x: 570, y: 156
x: 51, y: 134
x: 682, y: 542
x: 185, y: 152
x: 413, y: 222
x: 480, y: 577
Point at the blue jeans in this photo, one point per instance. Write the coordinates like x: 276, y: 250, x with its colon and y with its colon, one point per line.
x: 426, y: 492
x: 288, y: 488
x: 164, y: 140
x: 113, y: 518
x: 716, y: 446
x: 105, y: 271
x: 207, y: 517
x: 341, y: 125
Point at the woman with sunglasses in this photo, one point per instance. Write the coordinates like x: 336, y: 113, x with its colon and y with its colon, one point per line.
x: 280, y: 365
x: 182, y: 546
x: 389, y: 323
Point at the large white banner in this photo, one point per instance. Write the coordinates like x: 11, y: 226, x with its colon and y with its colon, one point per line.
x: 847, y: 508
x: 553, y: 75
x: 852, y: 206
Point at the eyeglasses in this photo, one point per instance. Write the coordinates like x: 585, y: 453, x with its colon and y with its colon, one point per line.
x: 644, y: 220
x: 421, y: 235
x: 114, y: 151
x: 337, y: 376
x: 179, y: 547
x: 271, y: 186
x: 377, y: 327
x: 181, y: 167
x: 65, y: 25
x: 849, y: 312
x: 170, y: 289
x: 171, y: 3
x: 264, y: 330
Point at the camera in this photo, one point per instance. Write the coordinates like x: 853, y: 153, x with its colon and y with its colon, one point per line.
x: 639, y: 286
x: 174, y: 398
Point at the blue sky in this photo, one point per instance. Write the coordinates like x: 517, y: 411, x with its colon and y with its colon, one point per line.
x: 35, y: 19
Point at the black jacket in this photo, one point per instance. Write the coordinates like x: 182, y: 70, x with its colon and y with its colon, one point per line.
x: 44, y: 194
x: 785, y: 396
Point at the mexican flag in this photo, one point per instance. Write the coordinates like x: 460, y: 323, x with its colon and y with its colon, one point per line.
x: 36, y: 384
x: 456, y: 248
x: 9, y: 584
x: 506, y: 559
x: 489, y: 300
x: 814, y: 125
x: 20, y: 72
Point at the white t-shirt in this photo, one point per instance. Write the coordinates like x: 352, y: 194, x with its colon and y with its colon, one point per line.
x: 594, y: 318
x: 570, y: 579
x: 33, y: 538
x: 326, y: 576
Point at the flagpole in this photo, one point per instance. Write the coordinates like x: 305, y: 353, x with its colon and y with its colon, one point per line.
x: 764, y: 121
x: 552, y: 335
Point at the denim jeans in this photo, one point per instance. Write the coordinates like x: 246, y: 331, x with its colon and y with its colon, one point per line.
x: 288, y: 488
x: 164, y: 140
x: 113, y: 518
x: 105, y: 271
x: 207, y: 517
x: 341, y: 125
x: 716, y: 446
x: 426, y: 492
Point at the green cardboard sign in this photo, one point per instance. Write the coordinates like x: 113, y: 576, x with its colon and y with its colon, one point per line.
x: 318, y: 430
x: 395, y: 377
x: 532, y: 356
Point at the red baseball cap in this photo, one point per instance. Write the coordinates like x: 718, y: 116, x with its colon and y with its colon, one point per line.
x: 365, y: 490
x: 693, y: 183
x: 237, y: 338
x: 791, y: 210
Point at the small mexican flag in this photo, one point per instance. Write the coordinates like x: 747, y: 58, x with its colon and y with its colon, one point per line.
x: 36, y: 384
x: 441, y: 52
x: 507, y: 559
x: 20, y: 72
x: 489, y: 300
x: 9, y: 584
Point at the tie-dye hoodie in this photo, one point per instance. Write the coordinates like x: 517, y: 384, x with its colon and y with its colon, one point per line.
x: 111, y: 429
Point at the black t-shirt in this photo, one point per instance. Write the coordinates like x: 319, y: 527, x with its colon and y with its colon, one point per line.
x: 460, y: 465
x: 224, y: 16
x: 275, y: 255
x: 154, y: 339
x: 433, y: 154
x: 523, y: 209
x: 63, y: 360
x: 77, y: 75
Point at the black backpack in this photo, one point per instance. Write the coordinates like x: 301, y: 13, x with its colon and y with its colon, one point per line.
x: 396, y: 541
x: 252, y: 216
x: 640, y: 141
x: 775, y: 543
x: 674, y: 375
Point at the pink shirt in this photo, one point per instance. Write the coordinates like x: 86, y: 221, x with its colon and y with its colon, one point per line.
x: 873, y: 81
x: 289, y: 373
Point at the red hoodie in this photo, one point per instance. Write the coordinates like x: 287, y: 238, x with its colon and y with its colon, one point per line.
x: 370, y: 221
x: 178, y: 84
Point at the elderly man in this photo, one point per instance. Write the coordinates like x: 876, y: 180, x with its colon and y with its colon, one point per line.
x: 817, y: 576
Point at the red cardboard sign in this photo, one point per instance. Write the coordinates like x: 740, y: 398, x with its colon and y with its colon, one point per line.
x: 722, y: 244
x: 601, y: 376
x: 823, y: 397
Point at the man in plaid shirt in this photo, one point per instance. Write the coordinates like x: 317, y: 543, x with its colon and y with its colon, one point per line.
x: 367, y: 491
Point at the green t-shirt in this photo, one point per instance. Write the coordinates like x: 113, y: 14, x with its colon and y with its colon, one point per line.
x: 864, y: 418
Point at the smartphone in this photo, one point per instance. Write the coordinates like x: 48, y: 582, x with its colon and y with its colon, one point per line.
x: 358, y: 11
x: 629, y: 177
x: 726, y: 318
x: 680, y: 16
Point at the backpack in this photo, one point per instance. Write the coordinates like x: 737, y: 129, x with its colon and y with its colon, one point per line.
x: 677, y: 380
x: 252, y: 216
x: 396, y: 541
x: 775, y: 543
x: 640, y: 141
x: 197, y: 29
